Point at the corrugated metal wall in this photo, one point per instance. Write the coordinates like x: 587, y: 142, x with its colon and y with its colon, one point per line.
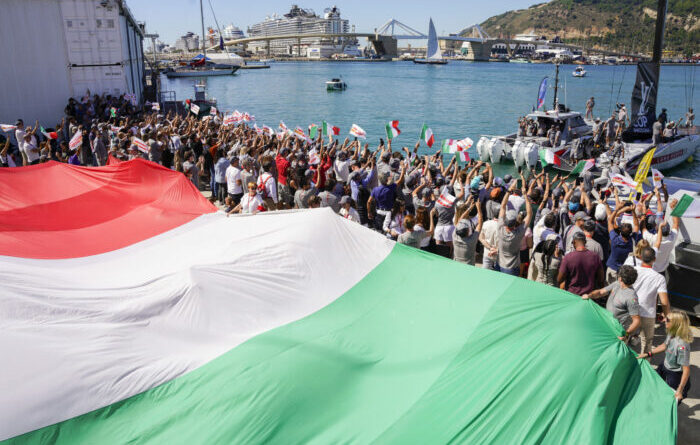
x: 35, y: 81
x: 61, y: 49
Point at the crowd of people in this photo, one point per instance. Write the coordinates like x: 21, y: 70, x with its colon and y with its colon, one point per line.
x: 566, y: 232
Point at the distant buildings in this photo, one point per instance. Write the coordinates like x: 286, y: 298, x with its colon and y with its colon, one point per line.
x: 300, y: 21
x: 188, y: 42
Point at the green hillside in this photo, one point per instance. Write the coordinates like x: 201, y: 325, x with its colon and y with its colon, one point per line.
x: 624, y: 25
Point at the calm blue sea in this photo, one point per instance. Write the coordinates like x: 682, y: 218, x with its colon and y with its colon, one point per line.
x: 456, y: 100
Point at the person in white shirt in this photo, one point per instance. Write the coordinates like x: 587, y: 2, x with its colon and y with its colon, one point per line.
x: 19, y: 135
x: 666, y: 245
x: 346, y: 210
x: 234, y: 184
x: 267, y: 185
x: 341, y: 167
x: 251, y: 203
x: 30, y: 148
x: 648, y: 286
x: 489, y: 238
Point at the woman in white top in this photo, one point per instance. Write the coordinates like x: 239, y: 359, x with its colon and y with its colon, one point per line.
x: 251, y: 202
x: 393, y: 222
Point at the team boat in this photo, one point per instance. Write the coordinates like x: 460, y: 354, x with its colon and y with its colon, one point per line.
x: 524, y: 150
x: 336, y: 85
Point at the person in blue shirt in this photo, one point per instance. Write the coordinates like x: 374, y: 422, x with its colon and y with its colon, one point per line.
x: 622, y: 240
x: 383, y: 197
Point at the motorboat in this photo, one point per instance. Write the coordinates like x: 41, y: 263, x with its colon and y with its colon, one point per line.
x: 579, y: 72
x: 433, y: 54
x: 336, y: 85
x: 518, y: 59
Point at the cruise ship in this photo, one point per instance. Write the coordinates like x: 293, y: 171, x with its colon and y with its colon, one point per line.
x: 300, y: 21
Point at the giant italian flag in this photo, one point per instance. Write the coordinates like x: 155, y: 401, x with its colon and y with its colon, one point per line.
x: 132, y: 312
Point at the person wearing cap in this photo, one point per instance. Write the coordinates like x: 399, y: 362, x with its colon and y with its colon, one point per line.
x: 597, y: 131
x: 234, y: 183
x: 510, y: 236
x: 423, y: 195
x: 546, y: 259
x: 576, y: 227
x: 306, y: 189
x: 591, y: 244
x: 347, y: 211
x: 382, y: 199
x: 581, y: 270
x: 468, y: 222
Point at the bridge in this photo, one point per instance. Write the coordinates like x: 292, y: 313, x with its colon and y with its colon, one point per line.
x: 384, y: 40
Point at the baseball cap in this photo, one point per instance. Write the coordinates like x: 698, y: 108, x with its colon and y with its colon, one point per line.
x: 580, y: 215
x: 511, y: 218
x: 345, y: 200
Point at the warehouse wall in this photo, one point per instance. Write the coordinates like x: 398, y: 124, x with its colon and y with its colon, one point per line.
x: 35, y: 81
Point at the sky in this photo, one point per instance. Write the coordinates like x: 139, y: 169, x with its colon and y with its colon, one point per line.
x: 172, y: 18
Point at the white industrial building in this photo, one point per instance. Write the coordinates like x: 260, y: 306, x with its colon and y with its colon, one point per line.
x: 56, y: 49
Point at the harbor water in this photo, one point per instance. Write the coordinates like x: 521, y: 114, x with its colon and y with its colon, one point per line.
x: 461, y: 99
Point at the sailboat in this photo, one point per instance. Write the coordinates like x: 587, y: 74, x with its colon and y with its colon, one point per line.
x: 671, y: 151
x: 201, y: 65
x: 433, y: 55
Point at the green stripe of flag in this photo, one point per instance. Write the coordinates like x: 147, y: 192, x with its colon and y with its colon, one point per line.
x: 409, y: 358
x: 684, y: 204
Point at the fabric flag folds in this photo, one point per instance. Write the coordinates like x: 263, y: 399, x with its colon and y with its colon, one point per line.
x: 49, y: 134
x: 141, y: 145
x: 76, y: 141
x: 392, y: 130
x: 445, y: 199
x: 687, y: 207
x: 623, y: 181
x: 138, y: 313
x: 548, y: 157
x: 426, y: 135
x: 7, y: 128
x: 330, y: 130
x: 582, y: 166
x: 313, y: 131
x: 657, y: 177
x: 358, y: 132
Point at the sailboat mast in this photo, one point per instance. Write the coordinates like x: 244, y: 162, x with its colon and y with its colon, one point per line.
x: 659, y: 31
x: 204, y: 38
x: 556, y: 86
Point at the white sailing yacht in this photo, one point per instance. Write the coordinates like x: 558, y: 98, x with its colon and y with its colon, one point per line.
x: 433, y: 54
x: 203, y: 66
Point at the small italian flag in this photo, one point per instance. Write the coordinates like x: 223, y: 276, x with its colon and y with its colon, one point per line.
x: 583, y: 166
x: 449, y: 146
x: 49, y: 134
x: 426, y: 135
x: 392, y: 130
x: 313, y: 131
x: 687, y: 207
x: 358, y: 132
x: 330, y: 130
x: 548, y: 157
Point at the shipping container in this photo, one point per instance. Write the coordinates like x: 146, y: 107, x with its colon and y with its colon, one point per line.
x: 56, y: 49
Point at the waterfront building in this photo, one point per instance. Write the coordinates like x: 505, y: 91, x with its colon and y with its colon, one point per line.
x: 232, y: 32
x: 300, y: 21
x: 188, y: 42
x: 64, y: 48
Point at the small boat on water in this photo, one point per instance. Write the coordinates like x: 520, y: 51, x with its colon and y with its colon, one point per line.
x: 433, y: 54
x: 336, y: 85
x: 579, y: 72
x: 518, y: 59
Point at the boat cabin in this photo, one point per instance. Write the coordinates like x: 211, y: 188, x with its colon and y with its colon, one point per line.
x: 571, y: 123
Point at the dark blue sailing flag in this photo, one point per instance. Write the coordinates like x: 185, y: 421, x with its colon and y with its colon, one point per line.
x: 542, y: 93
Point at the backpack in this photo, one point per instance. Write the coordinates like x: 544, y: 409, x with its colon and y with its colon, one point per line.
x: 261, y: 185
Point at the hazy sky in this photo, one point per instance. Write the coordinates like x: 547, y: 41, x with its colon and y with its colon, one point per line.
x: 172, y: 18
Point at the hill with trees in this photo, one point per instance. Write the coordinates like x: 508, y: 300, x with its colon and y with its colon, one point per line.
x: 623, y: 25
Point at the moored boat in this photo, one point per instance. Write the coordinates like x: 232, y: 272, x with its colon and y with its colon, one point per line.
x: 433, y: 53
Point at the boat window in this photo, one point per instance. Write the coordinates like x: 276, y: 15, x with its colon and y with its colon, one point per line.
x: 577, y: 121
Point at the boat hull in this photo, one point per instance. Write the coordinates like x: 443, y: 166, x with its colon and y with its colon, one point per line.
x: 202, y: 73
x: 430, y: 62
x: 671, y: 154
